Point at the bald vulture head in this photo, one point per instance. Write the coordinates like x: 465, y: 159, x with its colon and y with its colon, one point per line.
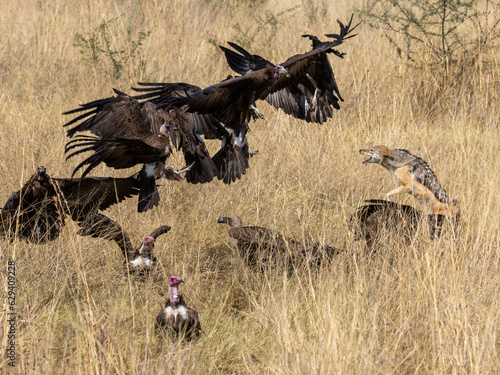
x: 234, y: 221
x: 173, y: 283
x: 176, y: 318
x: 144, y: 260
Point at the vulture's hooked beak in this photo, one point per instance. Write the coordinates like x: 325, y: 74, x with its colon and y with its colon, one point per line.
x: 222, y: 220
x: 280, y: 70
x: 166, y: 128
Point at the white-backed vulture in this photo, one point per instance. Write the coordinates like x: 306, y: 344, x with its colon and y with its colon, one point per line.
x: 262, y: 247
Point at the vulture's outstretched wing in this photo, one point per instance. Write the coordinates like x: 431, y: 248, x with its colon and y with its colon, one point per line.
x: 101, y: 226
x: 160, y: 93
x: 118, y: 152
x: 244, y: 62
x: 121, y: 115
x: 159, y: 231
x: 84, y: 195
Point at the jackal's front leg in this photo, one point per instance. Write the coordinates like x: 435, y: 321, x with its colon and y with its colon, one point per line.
x: 400, y: 190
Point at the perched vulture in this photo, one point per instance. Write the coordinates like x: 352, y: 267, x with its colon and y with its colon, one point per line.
x: 376, y: 218
x: 231, y: 161
x: 37, y: 211
x: 262, y: 247
x: 311, y: 94
x: 140, y: 260
x: 176, y: 318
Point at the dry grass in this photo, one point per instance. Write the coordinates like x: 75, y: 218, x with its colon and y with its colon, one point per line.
x: 425, y: 307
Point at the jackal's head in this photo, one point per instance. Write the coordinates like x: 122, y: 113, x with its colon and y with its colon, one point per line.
x: 376, y: 154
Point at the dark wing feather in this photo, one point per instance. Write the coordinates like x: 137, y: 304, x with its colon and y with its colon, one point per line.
x: 101, y: 226
x: 110, y: 117
x: 245, y: 62
x: 344, y: 32
x: 194, y: 326
x: 159, y: 231
x: 259, y: 236
x: 83, y: 196
x: 118, y: 152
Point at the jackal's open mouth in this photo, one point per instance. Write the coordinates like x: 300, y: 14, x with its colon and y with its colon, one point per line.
x: 365, y: 152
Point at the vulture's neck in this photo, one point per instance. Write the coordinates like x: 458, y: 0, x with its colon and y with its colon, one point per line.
x: 174, y: 294
x: 236, y: 221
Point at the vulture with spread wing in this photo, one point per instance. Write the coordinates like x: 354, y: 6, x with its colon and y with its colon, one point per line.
x: 130, y: 133
x: 176, y: 318
x: 377, y: 218
x: 233, y: 100
x: 37, y: 211
x: 309, y: 96
x: 139, y: 261
x: 263, y: 247
x: 231, y: 161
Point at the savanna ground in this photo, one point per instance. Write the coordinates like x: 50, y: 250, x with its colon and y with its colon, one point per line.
x: 422, y: 307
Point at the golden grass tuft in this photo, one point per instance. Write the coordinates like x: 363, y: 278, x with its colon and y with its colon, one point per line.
x: 423, y: 307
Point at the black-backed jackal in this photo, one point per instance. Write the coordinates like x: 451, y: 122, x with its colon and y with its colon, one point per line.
x: 415, y: 177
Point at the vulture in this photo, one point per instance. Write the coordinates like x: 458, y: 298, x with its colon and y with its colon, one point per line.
x: 140, y: 260
x: 128, y: 133
x: 376, y: 217
x: 261, y: 247
x: 37, y: 211
x: 231, y: 161
x: 311, y: 95
x: 176, y: 318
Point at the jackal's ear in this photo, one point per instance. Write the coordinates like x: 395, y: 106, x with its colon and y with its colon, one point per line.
x: 386, y: 151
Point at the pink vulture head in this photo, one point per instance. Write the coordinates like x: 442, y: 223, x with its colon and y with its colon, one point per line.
x: 278, y: 69
x: 147, y: 244
x: 174, y: 282
x: 165, y: 129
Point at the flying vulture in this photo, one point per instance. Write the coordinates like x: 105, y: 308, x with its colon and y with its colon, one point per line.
x: 176, y: 318
x: 376, y: 217
x: 231, y: 161
x: 263, y: 247
x: 233, y: 100
x: 311, y: 94
x: 130, y: 133
x: 37, y: 211
x: 140, y: 260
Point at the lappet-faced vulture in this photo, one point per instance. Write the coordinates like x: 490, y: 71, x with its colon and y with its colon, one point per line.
x: 139, y: 260
x: 176, y: 319
x: 37, y: 211
x: 129, y: 132
x: 377, y: 218
x: 261, y: 247
x: 309, y: 96
x: 231, y: 161
x: 233, y: 100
